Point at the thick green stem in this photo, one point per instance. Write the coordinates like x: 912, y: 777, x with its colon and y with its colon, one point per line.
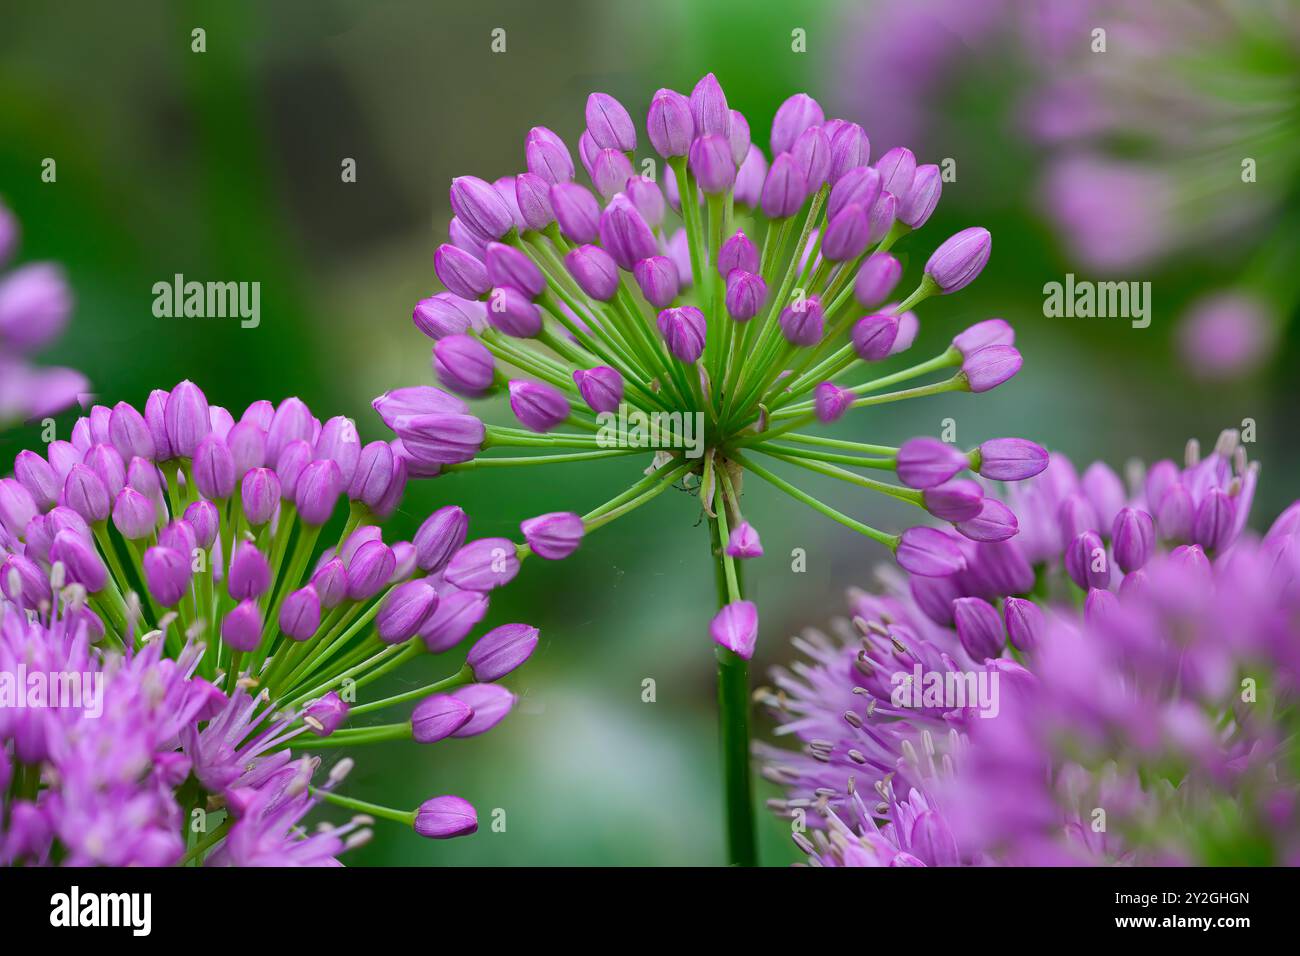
x: 733, y: 719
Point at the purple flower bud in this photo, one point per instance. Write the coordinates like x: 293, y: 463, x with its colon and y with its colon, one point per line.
x: 330, y: 582
x: 365, y: 533
x: 23, y: 582
x: 735, y: 627
x: 831, y: 402
x: 404, y: 611
x: 624, y: 234
x: 979, y: 628
x: 533, y: 197
x: 958, y: 500
x: 669, y: 124
x: 803, y: 322
x: 247, y: 445
x: 1025, y: 623
x: 846, y: 235
x: 915, y: 208
x: 39, y: 478
x: 594, y: 270
x: 370, y: 569
x: 684, y: 329
x: 242, y: 627
x: 186, y: 418
x: 84, y: 492
x: 749, y: 178
x: 577, y: 212
x: 793, y: 117
x: 995, y: 522
x: 134, y: 514
x: 463, y: 364
x: 319, y: 487
x: 928, y: 552
x: 510, y: 311
x: 483, y: 565
x: 877, y: 279
x: 538, y: 406
x: 339, y: 442
x: 858, y: 186
x: 709, y: 108
x: 897, y: 168
x: 657, y: 277
x: 491, y: 703
x: 501, y: 650
x: 82, y: 561
x: 712, y: 164
x: 155, y: 415
x: 456, y: 615
x: 743, y: 542
x: 250, y: 572
x: 1175, y: 513
x: 202, y: 516
x: 1075, y: 514
x: 460, y: 272
x: 214, y: 469
x: 785, y: 189
x: 609, y: 123
x: 481, y: 207
x: 553, y: 536
x: 167, y: 574
x: 601, y: 387
x: 260, y: 495
x: 738, y: 252
x: 1133, y: 536
x: 746, y: 295
x: 105, y: 462
x: 1215, y: 521
x: 17, y: 506
x: 926, y: 462
x: 990, y: 367
x: 739, y: 137
x: 850, y: 149
x: 648, y: 199
x: 1011, y: 459
x: 874, y: 336
x: 610, y: 172
x: 129, y: 433
x: 439, y: 537
x: 466, y: 239
x: 882, y: 217
x: 812, y: 155
x: 325, y: 715
x: 440, y: 439
x: 507, y: 266
x: 289, y: 466
x: 1086, y: 561
x: 961, y: 257
x: 440, y: 818
x: 179, y: 536
x: 404, y: 553
x: 437, y: 717
x: 546, y: 156
x: 446, y: 314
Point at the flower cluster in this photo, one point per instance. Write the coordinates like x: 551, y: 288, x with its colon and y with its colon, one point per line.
x: 171, y: 559
x: 756, y: 318
x: 34, y: 306
x: 1139, y: 647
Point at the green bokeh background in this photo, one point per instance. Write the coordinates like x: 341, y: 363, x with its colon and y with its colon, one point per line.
x: 226, y: 165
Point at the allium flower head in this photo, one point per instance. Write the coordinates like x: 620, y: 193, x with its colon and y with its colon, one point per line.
x: 175, y: 556
x: 1094, y: 668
